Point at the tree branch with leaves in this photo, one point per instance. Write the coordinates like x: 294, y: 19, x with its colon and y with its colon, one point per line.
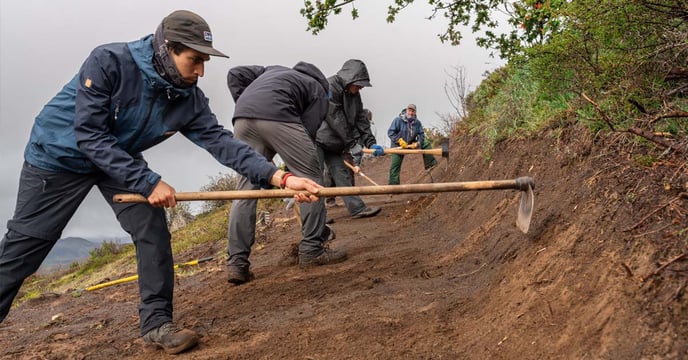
x: 532, y: 20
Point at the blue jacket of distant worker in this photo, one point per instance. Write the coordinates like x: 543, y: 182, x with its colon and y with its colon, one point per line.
x: 104, y: 118
x: 405, y: 127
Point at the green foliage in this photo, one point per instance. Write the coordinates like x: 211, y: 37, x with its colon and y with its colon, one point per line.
x: 107, y: 252
x: 511, y: 102
x: 644, y: 160
x: 533, y: 21
x: 318, y: 12
x: 206, y: 228
x: 435, y: 136
x: 538, y: 19
x: 616, y: 52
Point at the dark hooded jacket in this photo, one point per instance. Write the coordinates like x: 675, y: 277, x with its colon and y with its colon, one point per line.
x: 347, y: 122
x: 296, y: 95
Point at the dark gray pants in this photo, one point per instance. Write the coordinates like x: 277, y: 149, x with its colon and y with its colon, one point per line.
x: 342, y: 176
x: 298, y: 152
x: 47, y: 201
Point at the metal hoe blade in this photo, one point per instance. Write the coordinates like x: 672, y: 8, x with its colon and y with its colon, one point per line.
x: 525, y: 209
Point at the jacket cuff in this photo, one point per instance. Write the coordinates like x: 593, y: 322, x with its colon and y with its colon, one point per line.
x: 152, y: 179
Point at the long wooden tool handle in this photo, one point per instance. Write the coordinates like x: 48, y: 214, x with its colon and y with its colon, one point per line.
x: 407, y: 151
x: 360, y: 173
x: 520, y: 183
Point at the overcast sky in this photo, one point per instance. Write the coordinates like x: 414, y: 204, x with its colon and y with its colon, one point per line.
x: 43, y: 43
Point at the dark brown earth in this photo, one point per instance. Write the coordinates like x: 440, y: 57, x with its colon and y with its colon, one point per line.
x: 600, y: 275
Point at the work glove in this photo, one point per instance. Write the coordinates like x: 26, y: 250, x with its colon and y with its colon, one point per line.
x: 402, y: 143
x: 413, y: 145
x: 378, y: 150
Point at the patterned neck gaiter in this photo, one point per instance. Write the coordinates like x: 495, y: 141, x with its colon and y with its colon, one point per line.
x: 163, y: 63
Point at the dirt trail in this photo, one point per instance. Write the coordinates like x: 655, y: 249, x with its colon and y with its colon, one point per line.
x: 434, y: 276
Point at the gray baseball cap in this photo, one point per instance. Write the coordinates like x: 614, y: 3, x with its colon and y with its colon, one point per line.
x: 189, y: 29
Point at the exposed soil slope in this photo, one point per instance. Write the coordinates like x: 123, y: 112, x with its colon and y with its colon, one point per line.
x: 434, y: 276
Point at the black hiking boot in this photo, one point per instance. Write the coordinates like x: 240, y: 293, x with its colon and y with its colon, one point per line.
x: 238, y: 275
x: 327, y: 257
x: 367, y: 212
x: 171, y: 338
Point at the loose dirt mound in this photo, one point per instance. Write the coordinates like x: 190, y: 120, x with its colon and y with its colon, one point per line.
x: 434, y: 276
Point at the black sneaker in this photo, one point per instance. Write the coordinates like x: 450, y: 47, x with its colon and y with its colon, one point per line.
x: 367, y: 212
x: 327, y: 257
x: 171, y: 338
x: 238, y: 275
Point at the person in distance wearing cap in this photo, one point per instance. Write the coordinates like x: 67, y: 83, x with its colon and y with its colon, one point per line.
x: 347, y: 124
x: 407, y: 131
x: 126, y: 98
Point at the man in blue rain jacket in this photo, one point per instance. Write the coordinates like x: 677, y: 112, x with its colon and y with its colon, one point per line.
x: 126, y: 98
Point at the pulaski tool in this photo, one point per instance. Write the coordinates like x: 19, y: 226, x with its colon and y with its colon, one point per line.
x: 443, y: 151
x: 524, y: 184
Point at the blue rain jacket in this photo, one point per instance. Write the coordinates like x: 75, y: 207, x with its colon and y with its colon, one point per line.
x: 116, y: 107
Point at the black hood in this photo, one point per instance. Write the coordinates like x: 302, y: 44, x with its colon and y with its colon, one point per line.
x: 353, y: 70
x: 312, y: 71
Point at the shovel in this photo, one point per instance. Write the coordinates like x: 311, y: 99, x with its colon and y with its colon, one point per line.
x: 524, y: 184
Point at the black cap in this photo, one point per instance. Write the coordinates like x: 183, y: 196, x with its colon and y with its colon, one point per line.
x: 190, y: 30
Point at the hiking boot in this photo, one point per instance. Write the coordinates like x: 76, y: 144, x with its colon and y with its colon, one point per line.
x: 367, y: 212
x: 171, y: 338
x: 238, y: 275
x: 327, y: 257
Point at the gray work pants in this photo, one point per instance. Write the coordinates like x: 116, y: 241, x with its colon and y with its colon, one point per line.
x: 342, y: 176
x: 47, y: 201
x: 298, y: 152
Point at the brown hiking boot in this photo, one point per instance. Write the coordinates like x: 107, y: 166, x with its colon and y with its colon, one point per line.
x: 171, y: 338
x: 327, y: 257
x: 238, y: 275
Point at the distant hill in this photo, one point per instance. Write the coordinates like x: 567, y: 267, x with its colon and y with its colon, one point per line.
x: 66, y: 251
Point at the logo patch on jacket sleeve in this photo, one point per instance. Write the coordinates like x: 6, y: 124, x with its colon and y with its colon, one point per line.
x: 88, y: 82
